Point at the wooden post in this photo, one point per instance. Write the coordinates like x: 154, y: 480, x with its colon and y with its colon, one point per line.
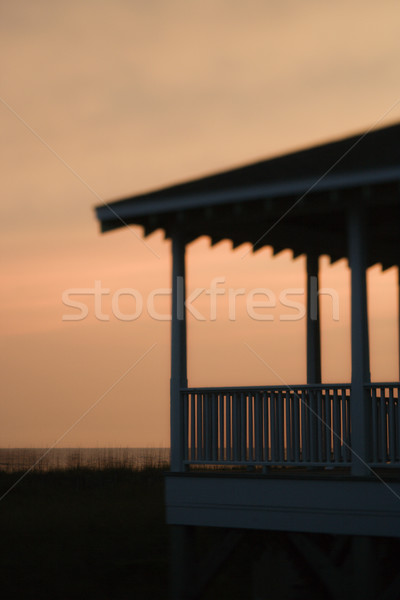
x: 178, y: 350
x: 183, y: 576
x: 313, y: 355
x: 313, y: 322
x: 360, y: 374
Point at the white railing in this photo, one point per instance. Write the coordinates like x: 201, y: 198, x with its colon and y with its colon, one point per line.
x: 385, y: 423
x: 307, y: 425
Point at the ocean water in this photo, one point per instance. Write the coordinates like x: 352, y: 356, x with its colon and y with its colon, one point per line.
x: 43, y: 459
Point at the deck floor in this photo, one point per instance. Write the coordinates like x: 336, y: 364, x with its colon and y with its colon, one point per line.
x: 382, y: 473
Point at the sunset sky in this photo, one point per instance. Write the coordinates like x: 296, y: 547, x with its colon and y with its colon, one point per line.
x: 100, y: 100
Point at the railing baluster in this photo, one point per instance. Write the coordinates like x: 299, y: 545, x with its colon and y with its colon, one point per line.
x: 192, y: 427
x: 184, y: 399
x: 228, y: 427
x: 199, y: 426
x: 235, y: 437
x: 303, y: 412
x: 243, y: 400
x: 258, y: 427
x: 391, y: 428
x: 267, y: 438
x: 250, y: 428
x: 320, y: 425
x: 221, y: 454
x: 348, y: 424
x: 214, y: 425
x: 296, y: 426
x: 206, y: 426
x: 382, y: 413
x: 288, y: 436
x: 313, y: 426
x: 348, y: 429
x: 210, y: 425
x: 328, y: 432
x: 343, y: 414
x: 374, y: 424
x: 309, y: 425
x: 336, y: 426
x: 273, y: 427
x: 281, y: 430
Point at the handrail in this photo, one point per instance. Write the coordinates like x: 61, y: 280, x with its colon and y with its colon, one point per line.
x: 376, y: 384
x: 292, y: 386
x: 246, y: 388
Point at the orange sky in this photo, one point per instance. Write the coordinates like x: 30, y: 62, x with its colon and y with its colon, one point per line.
x: 133, y: 96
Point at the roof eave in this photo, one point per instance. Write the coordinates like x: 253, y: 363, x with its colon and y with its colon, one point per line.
x: 116, y: 214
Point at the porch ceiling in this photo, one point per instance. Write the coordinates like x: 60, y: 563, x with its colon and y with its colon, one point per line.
x: 297, y: 201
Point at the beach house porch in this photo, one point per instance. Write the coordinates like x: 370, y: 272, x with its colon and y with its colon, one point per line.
x: 315, y: 457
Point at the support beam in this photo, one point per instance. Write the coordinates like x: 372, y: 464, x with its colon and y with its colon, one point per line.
x: 217, y: 557
x: 313, y: 322
x: 365, y: 568
x: 360, y: 373
x: 178, y: 350
x: 321, y: 564
x: 182, y: 563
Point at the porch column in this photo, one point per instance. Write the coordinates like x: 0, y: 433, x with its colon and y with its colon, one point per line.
x: 178, y: 350
x: 313, y: 322
x: 360, y: 373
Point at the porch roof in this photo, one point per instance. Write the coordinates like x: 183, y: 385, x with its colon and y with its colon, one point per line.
x: 297, y: 201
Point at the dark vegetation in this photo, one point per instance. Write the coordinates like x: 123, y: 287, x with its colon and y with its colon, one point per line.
x: 97, y: 534
x: 84, y: 533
